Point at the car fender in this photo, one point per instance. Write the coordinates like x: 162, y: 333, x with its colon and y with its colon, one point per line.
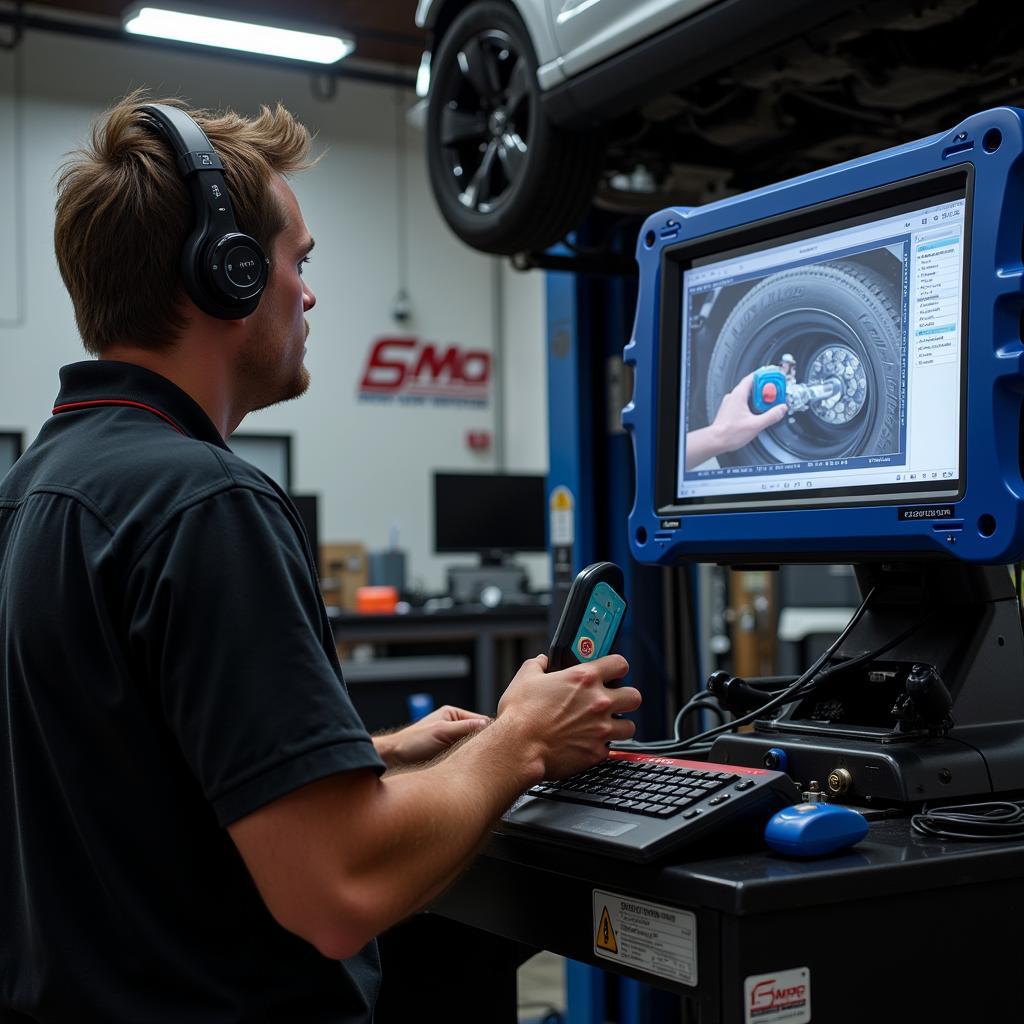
x: 536, y: 18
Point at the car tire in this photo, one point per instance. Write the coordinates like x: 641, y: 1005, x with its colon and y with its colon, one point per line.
x: 843, y: 304
x: 484, y: 108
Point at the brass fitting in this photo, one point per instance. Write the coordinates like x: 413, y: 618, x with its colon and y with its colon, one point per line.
x: 839, y: 781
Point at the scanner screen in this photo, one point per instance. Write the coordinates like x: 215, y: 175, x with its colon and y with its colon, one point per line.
x: 857, y: 329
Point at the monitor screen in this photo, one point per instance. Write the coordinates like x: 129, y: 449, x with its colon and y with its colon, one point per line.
x: 829, y: 369
x: 824, y: 366
x: 308, y: 507
x: 10, y: 450
x: 269, y: 453
x: 481, y: 512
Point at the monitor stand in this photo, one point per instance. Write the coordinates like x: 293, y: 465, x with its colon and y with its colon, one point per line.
x: 939, y: 716
x: 496, y: 574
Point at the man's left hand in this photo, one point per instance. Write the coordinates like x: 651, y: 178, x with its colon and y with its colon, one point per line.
x: 430, y: 736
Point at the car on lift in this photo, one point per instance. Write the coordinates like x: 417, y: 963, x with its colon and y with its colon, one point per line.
x: 537, y: 108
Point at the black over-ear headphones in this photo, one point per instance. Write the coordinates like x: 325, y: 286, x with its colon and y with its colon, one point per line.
x: 223, y: 270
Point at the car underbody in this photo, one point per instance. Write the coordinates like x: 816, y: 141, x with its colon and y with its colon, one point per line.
x: 875, y: 77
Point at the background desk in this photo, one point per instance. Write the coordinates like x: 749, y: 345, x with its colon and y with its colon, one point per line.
x: 492, y: 641
x: 899, y: 930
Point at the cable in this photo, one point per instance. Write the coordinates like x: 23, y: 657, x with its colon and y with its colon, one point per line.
x: 787, y: 696
x: 793, y: 690
x: 994, y: 820
x: 860, y: 659
x: 702, y: 701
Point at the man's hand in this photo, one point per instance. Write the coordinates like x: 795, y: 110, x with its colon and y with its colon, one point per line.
x: 430, y: 736
x: 339, y: 860
x: 567, y: 716
x: 734, y: 425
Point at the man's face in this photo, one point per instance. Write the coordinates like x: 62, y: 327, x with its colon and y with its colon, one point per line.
x: 270, y: 364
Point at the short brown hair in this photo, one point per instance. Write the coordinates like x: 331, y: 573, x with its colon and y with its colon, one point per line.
x: 124, y: 212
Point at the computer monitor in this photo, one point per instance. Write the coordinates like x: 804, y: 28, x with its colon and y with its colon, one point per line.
x: 829, y: 369
x: 308, y: 507
x: 10, y: 449
x: 269, y: 453
x: 490, y: 514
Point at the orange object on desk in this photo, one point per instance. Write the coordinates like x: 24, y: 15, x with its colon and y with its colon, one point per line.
x: 376, y: 600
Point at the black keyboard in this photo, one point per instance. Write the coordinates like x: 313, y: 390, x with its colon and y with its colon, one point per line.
x: 642, y: 806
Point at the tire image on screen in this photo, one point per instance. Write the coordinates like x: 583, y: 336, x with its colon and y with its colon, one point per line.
x: 841, y: 307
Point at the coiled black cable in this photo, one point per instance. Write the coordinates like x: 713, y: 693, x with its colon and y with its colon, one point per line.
x: 992, y: 820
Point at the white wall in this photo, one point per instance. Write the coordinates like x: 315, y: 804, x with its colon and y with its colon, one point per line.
x: 371, y: 464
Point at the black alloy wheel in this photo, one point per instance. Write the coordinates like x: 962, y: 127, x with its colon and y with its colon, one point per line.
x: 504, y: 178
x: 485, y: 120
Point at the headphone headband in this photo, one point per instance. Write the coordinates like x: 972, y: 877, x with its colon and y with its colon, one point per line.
x: 224, y: 271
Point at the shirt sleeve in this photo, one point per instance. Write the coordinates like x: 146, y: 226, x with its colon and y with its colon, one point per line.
x: 226, y: 627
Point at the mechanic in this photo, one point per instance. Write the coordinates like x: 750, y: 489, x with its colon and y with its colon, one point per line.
x: 195, y: 824
x: 734, y: 425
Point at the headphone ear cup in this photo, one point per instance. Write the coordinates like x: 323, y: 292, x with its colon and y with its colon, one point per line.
x: 236, y: 269
x: 226, y: 278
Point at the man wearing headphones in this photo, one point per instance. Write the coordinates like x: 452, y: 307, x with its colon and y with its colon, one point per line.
x: 194, y: 824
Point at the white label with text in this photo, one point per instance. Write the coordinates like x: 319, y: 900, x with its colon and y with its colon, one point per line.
x: 647, y: 936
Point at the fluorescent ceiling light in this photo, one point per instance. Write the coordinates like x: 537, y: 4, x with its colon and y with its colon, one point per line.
x: 236, y: 35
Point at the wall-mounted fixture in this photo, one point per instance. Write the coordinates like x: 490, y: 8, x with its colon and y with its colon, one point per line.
x: 207, y: 27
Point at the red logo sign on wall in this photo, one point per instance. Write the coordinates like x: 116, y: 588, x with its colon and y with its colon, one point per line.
x: 413, y: 371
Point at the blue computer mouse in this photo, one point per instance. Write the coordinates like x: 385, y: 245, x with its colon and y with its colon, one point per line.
x: 809, y: 830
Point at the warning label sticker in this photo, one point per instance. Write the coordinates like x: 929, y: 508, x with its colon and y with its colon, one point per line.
x: 647, y: 936
x: 782, y: 997
x: 561, y: 506
x: 606, y: 933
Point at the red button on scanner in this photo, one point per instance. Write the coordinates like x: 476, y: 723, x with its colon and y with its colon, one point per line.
x: 769, y: 392
x: 586, y: 646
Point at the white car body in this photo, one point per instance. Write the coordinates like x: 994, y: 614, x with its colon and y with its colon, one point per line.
x: 570, y: 36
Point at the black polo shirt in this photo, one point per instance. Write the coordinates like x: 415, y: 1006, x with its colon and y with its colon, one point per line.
x: 166, y: 667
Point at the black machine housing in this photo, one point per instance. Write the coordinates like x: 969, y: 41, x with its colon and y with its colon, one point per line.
x: 938, y: 716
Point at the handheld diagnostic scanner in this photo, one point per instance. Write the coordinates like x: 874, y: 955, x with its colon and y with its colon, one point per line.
x: 590, y: 618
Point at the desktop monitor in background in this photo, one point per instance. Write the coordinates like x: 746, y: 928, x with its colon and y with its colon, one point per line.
x: 493, y: 515
x: 308, y: 507
x: 271, y: 453
x: 830, y: 370
x: 490, y: 514
x: 10, y: 450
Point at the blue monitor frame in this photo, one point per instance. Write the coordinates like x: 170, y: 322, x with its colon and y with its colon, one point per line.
x: 974, y: 518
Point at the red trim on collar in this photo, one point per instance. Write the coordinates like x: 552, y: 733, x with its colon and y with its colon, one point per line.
x: 75, y: 406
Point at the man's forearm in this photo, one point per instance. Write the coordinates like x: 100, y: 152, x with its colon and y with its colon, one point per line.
x: 702, y: 445
x: 429, y: 822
